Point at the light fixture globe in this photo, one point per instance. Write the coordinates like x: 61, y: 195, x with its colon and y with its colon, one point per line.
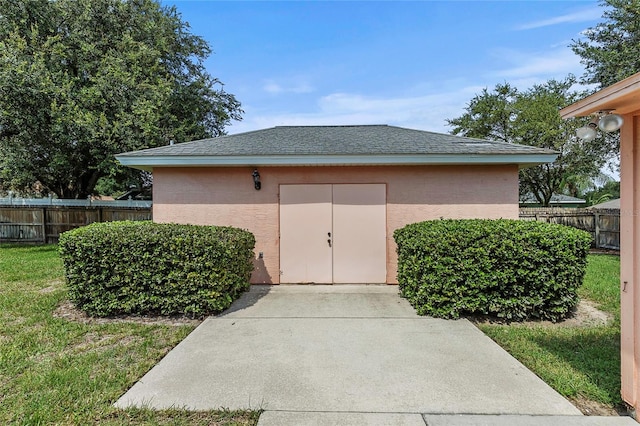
x: 610, y: 122
x: 587, y: 133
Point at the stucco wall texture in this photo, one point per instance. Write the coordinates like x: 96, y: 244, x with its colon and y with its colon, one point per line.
x: 226, y: 196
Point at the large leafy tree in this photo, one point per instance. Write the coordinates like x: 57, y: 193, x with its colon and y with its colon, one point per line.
x: 83, y: 80
x: 610, y: 51
x: 489, y: 115
x: 531, y: 118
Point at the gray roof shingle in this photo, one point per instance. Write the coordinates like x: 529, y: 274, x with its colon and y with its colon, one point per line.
x: 365, y: 144
x: 611, y: 204
x: 555, y: 199
x: 338, y: 140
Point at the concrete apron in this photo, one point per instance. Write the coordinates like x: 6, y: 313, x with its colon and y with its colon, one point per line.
x: 345, y: 350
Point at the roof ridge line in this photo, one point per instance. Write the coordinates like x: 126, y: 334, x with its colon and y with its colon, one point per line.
x: 329, y: 125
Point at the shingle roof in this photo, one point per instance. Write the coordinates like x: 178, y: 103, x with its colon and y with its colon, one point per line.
x: 555, y: 199
x: 330, y: 142
x: 611, y: 204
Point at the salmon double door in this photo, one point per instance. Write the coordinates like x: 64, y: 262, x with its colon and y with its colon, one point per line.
x: 333, y: 233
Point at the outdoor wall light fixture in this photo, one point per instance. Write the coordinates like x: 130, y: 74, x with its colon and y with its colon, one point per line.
x: 610, y: 122
x: 256, y: 179
x: 588, y: 132
x: 604, y: 120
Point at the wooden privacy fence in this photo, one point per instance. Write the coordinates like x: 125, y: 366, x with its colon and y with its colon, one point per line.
x: 42, y: 221
x: 602, y: 224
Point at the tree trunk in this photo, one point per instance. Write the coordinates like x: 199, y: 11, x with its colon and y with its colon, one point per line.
x: 74, y: 191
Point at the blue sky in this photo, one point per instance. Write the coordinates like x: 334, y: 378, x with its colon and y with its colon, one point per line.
x: 410, y: 64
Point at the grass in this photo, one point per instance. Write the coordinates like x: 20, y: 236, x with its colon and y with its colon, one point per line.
x: 581, y: 363
x: 55, y: 371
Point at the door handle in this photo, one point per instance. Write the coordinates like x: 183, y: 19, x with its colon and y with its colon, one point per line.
x: 329, y: 240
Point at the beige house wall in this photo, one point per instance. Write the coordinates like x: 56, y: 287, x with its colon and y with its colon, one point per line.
x: 226, y: 196
x: 624, y: 98
x: 629, y: 255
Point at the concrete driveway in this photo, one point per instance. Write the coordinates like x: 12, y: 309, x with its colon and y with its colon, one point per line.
x: 344, y: 354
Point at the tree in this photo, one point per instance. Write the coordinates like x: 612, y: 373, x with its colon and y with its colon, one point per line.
x: 611, y: 51
x: 609, y: 191
x: 580, y: 186
x: 489, y: 115
x: 81, y: 81
x: 531, y: 118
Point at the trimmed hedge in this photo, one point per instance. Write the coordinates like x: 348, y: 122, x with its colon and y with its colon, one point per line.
x: 140, y: 268
x: 511, y: 269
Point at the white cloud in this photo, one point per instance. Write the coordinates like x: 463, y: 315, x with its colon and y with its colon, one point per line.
x: 273, y: 87
x: 426, y: 105
x: 584, y: 15
x: 425, y: 112
x: 529, y: 66
x: 430, y: 105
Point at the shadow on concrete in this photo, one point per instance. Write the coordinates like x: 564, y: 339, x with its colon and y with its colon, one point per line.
x: 248, y: 299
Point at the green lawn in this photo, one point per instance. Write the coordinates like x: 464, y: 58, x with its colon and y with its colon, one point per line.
x: 582, y: 363
x: 55, y: 371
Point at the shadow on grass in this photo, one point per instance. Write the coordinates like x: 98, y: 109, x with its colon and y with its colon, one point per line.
x: 593, y: 352
x: 30, y: 247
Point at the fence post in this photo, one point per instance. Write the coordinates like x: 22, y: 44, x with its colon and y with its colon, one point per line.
x: 44, y: 225
x: 596, y: 219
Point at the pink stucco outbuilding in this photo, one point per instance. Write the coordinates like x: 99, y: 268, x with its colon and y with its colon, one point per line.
x: 623, y: 98
x: 323, y: 201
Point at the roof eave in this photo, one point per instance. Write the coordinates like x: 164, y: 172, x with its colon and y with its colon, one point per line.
x: 621, y: 97
x: 149, y: 162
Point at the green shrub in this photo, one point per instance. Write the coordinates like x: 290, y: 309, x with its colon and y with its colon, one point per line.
x: 149, y: 268
x: 511, y: 269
